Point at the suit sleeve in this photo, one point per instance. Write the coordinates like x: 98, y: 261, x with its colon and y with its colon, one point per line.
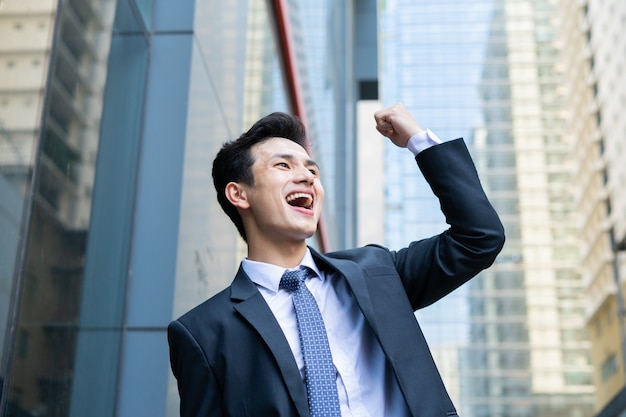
x: 200, y: 394
x: 432, y: 268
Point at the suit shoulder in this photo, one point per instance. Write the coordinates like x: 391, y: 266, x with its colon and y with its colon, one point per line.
x: 358, y: 252
x: 366, y: 255
x: 210, y: 309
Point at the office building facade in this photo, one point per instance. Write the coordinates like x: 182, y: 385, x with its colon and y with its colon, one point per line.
x: 593, y: 62
x: 110, y: 114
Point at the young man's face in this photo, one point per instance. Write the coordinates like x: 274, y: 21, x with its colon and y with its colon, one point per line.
x: 287, y: 196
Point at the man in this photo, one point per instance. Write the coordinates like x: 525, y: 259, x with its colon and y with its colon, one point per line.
x: 245, y: 351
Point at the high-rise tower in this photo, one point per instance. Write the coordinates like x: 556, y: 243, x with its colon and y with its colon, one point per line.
x: 593, y: 47
x: 512, y: 341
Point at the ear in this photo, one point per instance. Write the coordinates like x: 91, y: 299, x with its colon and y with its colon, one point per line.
x: 237, y: 195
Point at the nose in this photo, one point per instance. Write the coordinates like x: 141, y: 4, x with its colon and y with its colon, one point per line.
x: 305, y: 175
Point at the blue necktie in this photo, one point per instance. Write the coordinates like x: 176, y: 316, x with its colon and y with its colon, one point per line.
x: 319, y: 371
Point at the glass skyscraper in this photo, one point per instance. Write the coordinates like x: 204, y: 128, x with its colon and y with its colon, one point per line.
x: 111, y: 112
x: 511, y: 342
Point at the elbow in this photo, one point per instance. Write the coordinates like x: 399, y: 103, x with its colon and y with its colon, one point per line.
x: 496, y: 238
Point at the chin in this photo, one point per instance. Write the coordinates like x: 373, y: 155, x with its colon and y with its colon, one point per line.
x: 309, y: 234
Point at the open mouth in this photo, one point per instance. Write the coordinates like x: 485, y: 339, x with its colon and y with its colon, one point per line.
x: 302, y: 200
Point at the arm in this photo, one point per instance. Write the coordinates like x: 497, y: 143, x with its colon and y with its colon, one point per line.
x: 197, y: 386
x: 432, y: 268
x: 471, y: 243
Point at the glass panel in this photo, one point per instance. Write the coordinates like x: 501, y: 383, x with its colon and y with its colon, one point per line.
x: 145, y: 9
x: 24, y: 47
x: 108, y: 248
x: 67, y: 340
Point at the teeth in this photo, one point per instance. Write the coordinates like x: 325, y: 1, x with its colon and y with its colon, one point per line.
x: 295, y: 196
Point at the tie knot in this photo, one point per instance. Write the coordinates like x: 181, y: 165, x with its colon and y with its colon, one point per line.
x: 291, y: 280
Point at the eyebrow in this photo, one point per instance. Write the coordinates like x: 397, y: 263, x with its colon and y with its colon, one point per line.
x: 290, y: 157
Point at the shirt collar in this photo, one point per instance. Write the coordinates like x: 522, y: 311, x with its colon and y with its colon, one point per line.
x: 268, y: 276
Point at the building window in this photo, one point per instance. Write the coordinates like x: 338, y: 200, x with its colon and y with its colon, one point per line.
x: 609, y: 368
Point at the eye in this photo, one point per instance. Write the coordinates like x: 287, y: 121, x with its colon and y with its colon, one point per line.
x: 313, y: 171
x: 282, y: 165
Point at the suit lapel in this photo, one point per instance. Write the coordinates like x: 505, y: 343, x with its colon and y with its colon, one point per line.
x: 252, y: 306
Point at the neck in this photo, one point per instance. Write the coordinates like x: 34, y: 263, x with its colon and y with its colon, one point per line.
x: 286, y: 255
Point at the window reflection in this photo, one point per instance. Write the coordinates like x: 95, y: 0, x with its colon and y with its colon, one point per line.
x: 23, y: 63
x: 58, y: 215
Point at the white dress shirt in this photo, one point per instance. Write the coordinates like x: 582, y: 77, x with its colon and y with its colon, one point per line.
x: 366, y: 383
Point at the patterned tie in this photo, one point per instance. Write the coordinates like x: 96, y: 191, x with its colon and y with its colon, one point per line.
x: 319, y: 371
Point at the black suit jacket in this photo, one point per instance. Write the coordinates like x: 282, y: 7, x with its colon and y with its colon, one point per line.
x: 229, y: 354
